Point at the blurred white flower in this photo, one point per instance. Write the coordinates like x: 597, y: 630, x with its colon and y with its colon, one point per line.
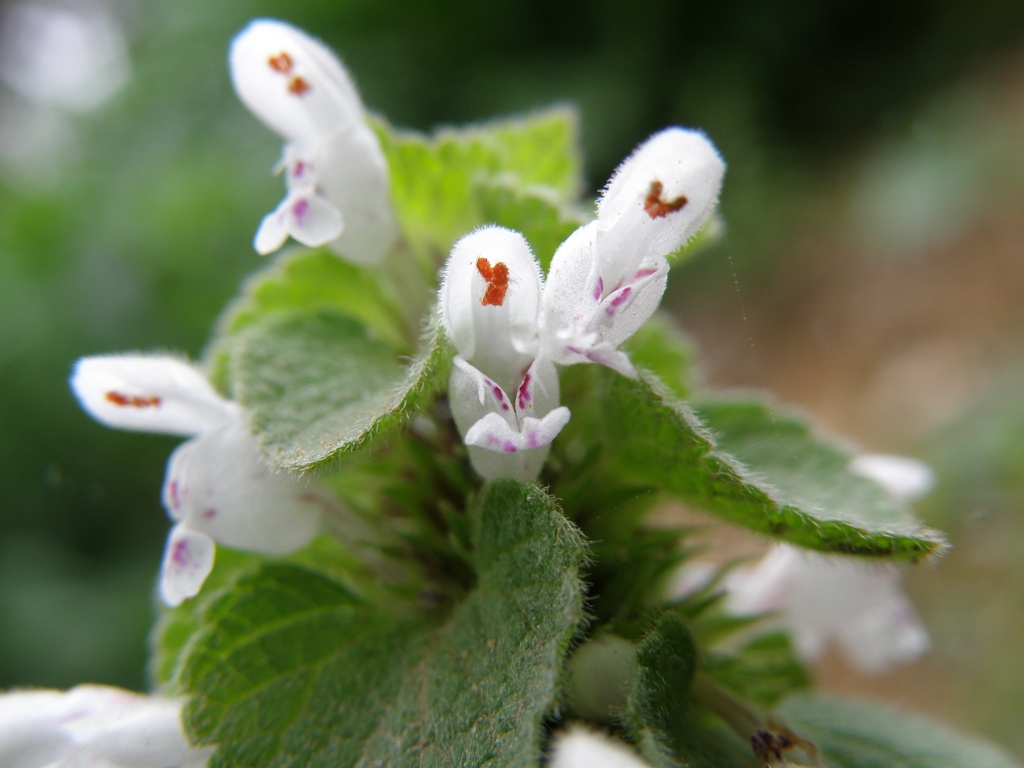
x: 903, y: 478
x: 581, y: 748
x: 217, y: 486
x: 822, y: 598
x: 94, y: 726
x: 338, y: 192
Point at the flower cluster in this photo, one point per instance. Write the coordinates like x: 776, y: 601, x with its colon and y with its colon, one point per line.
x: 513, y: 328
x: 510, y: 327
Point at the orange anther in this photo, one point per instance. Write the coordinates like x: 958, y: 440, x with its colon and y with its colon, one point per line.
x: 656, y: 207
x: 497, y: 282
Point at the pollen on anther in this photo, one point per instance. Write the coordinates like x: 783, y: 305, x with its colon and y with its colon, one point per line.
x: 282, y: 63
x: 497, y: 282
x: 298, y: 86
x: 657, y: 207
x: 132, y: 401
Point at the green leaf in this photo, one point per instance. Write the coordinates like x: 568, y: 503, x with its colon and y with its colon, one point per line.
x: 543, y: 221
x: 176, y: 627
x: 781, y: 481
x: 434, y: 179
x: 307, y: 281
x: 319, y: 385
x: 663, y: 348
x: 762, y: 671
x: 854, y: 734
x: 292, y: 669
x: 310, y: 281
x: 669, y: 728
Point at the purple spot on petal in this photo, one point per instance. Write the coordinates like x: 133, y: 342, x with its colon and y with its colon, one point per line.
x: 180, y: 554
x: 533, y: 439
x: 498, y: 394
x: 616, y: 303
x: 209, y: 514
x: 623, y: 296
x: 300, y: 209
x: 644, y: 273
x: 510, y: 447
x: 298, y: 170
x: 173, y: 493
x: 599, y: 288
x: 525, y: 396
x: 505, y: 406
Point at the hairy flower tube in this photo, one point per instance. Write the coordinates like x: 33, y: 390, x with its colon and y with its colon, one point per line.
x: 503, y: 393
x: 607, y: 279
x: 338, y: 191
x: 217, y: 487
x: 94, y: 726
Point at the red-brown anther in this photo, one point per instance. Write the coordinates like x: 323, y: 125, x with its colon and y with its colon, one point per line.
x: 281, y: 63
x: 132, y: 401
x: 497, y: 282
x: 656, y: 207
x: 298, y: 86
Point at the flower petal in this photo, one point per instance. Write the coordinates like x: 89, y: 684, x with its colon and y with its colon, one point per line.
x: 503, y: 440
x: 148, y: 393
x: 579, y: 748
x: 292, y: 82
x: 903, y: 478
x: 585, y: 316
x: 352, y: 174
x: 273, y: 230
x: 833, y: 598
x: 658, y: 198
x: 30, y: 733
x: 188, y: 560
x: 489, y: 298
x: 128, y: 729
x: 218, y: 484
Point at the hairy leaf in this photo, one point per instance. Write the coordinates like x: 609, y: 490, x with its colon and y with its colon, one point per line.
x: 669, y: 728
x: 853, y: 734
x: 319, y: 385
x: 434, y: 179
x: 291, y: 669
x: 769, y: 473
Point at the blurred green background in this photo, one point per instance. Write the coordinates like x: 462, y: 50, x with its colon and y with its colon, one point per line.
x: 872, y: 270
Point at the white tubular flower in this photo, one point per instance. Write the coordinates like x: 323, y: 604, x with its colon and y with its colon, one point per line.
x: 608, y: 278
x: 580, y: 748
x: 503, y: 396
x: 217, y: 488
x: 821, y: 598
x: 96, y: 726
x: 335, y: 171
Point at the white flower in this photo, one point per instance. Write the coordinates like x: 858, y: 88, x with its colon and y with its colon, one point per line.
x: 335, y: 171
x: 608, y: 278
x: 503, y: 396
x: 903, y: 478
x: 821, y: 598
x: 94, y: 726
x: 217, y: 487
x: 581, y: 748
